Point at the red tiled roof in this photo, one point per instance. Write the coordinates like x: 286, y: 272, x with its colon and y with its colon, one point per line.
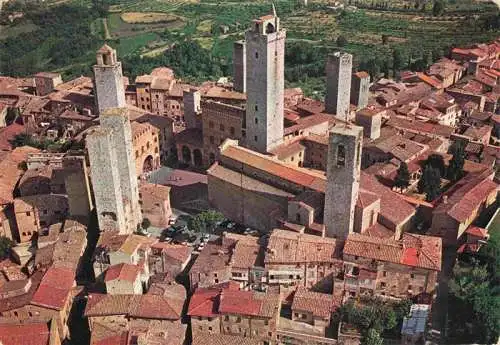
x: 319, y: 304
x: 413, y: 250
x: 477, y: 231
x: 468, y: 199
x: 123, y: 271
x: 293, y: 174
x: 7, y: 134
x: 54, y: 289
x: 25, y: 334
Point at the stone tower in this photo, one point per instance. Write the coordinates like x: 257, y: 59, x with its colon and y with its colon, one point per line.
x: 265, y: 55
x: 76, y: 182
x: 116, y: 119
x: 343, y: 174
x: 360, y: 84
x: 192, y: 108
x: 106, y: 181
x: 239, y: 66
x: 338, y: 84
x: 108, y: 79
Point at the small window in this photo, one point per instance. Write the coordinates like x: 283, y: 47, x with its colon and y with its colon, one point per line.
x: 222, y: 128
x: 256, y: 108
x: 412, y: 275
x: 231, y: 130
x: 256, y: 120
x: 255, y: 138
x: 210, y: 124
x: 384, y: 274
x: 256, y: 55
x: 340, y: 156
x: 212, y: 140
x: 382, y: 285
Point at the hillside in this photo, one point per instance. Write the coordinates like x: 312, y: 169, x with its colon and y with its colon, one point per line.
x: 384, y: 36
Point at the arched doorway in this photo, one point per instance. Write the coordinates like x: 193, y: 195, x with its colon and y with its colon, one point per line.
x: 186, y: 154
x: 148, y: 164
x: 270, y: 28
x: 197, y: 157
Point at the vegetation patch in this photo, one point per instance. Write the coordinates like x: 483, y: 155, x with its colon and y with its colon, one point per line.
x: 148, y: 17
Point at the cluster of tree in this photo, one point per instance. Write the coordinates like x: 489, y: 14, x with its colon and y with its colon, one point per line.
x: 188, y: 60
x: 304, y: 60
x: 435, y: 168
x: 206, y: 221
x: 5, y: 245
x: 62, y: 37
x: 474, y: 306
x: 374, y: 317
x: 49, y: 145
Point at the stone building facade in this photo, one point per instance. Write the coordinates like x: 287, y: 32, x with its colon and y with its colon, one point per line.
x: 146, y: 147
x: 343, y: 178
x: 265, y: 82
x: 338, y: 84
x: 46, y: 82
x: 220, y: 121
x: 106, y: 181
x: 76, y: 182
x: 109, y: 87
x: 155, y: 203
x: 116, y: 119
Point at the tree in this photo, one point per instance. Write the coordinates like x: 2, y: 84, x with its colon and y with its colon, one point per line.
x: 456, y: 166
x: 437, y: 162
x: 438, y: 8
x: 205, y: 221
x: 146, y: 223
x: 341, y: 41
x: 402, y: 179
x: 430, y: 183
x: 372, y: 337
x: 5, y: 245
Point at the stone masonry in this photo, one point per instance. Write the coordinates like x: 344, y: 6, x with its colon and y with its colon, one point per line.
x: 338, y: 84
x: 265, y: 55
x: 106, y: 180
x: 343, y: 175
x: 116, y: 119
x: 76, y: 181
x: 109, y: 88
x: 239, y: 66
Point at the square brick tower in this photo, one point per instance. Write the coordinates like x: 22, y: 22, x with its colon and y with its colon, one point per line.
x: 108, y: 80
x: 338, y: 84
x: 343, y: 175
x: 239, y: 66
x: 106, y: 181
x: 116, y: 119
x: 360, y: 85
x: 265, y: 58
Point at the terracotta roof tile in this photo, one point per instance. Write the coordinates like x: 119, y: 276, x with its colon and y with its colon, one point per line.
x: 412, y: 250
x: 55, y: 288
x: 122, y: 271
x: 319, y: 304
x: 25, y: 334
x: 291, y: 247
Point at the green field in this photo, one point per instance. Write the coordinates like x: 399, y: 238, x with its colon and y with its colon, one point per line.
x: 372, y: 32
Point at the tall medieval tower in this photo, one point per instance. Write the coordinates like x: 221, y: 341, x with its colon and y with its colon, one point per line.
x: 112, y: 167
x: 108, y: 80
x: 116, y: 119
x: 239, y: 66
x: 265, y: 57
x: 338, y: 84
x: 343, y: 175
x: 106, y: 181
